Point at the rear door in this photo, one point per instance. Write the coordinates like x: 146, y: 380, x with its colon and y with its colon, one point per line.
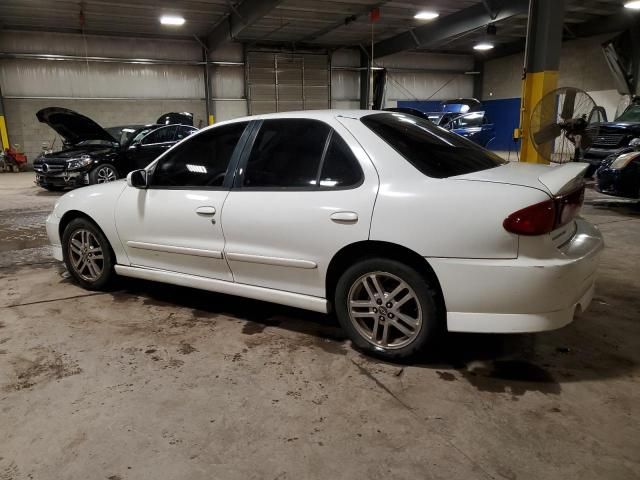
x: 304, y: 190
x: 174, y: 224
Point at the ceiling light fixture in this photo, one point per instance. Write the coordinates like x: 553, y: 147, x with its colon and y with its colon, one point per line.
x: 635, y: 5
x: 426, y: 15
x: 172, y: 20
x: 483, y: 46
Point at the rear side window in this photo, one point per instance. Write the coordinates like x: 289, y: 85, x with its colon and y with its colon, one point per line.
x: 200, y: 161
x: 434, y: 151
x: 339, y: 168
x: 300, y: 154
x: 286, y: 153
x: 184, y: 132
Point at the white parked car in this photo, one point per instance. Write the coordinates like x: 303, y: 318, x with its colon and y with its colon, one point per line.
x: 400, y: 227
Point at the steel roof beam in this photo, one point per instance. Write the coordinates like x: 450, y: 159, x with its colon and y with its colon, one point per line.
x: 600, y: 26
x: 240, y: 17
x: 456, y: 24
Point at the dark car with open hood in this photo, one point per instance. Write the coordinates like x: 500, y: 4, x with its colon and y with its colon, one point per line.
x: 621, y: 54
x: 92, y: 154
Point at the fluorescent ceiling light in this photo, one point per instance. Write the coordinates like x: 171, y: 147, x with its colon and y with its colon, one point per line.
x: 483, y: 46
x: 171, y: 20
x: 426, y: 15
x: 635, y: 5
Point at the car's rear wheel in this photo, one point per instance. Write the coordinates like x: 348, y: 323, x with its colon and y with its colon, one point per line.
x: 386, y: 307
x: 87, y: 254
x: 103, y: 174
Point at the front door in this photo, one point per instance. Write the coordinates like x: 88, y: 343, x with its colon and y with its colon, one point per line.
x: 304, y: 190
x: 175, y: 224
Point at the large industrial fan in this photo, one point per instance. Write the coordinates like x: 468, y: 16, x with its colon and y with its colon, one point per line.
x: 564, y: 123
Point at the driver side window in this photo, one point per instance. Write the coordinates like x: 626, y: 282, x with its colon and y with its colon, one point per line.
x: 200, y: 161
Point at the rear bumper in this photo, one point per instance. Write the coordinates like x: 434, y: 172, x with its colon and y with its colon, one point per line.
x: 526, y: 294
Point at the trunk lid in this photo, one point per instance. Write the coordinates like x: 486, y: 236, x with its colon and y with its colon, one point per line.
x: 72, y: 126
x: 553, y: 181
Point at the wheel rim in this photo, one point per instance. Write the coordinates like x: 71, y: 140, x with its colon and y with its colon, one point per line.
x: 85, y: 253
x: 385, y: 310
x: 106, y: 174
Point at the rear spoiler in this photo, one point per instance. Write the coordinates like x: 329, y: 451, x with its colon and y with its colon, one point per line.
x: 565, y: 178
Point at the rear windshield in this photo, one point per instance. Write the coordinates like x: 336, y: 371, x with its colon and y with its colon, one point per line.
x: 434, y: 151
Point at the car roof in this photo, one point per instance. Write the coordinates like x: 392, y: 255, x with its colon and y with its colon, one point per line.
x: 310, y: 114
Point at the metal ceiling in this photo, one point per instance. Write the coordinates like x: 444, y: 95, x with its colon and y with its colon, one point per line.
x: 332, y: 23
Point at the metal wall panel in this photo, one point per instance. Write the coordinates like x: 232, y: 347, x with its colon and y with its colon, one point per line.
x: 279, y: 82
x: 99, y: 46
x: 37, y: 78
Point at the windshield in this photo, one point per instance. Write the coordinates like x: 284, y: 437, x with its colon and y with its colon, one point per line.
x: 434, y: 151
x: 123, y: 133
x: 631, y: 114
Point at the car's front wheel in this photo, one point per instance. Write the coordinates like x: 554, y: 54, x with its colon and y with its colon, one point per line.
x: 87, y: 254
x: 103, y: 174
x: 386, y: 307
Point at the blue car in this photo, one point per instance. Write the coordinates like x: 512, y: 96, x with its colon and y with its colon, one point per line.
x: 475, y: 126
x: 619, y: 174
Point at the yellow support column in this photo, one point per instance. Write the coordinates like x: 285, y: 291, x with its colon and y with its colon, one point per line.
x: 4, y: 135
x: 534, y: 87
x: 541, y: 63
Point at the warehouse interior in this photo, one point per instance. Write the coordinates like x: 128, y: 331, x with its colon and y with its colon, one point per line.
x: 156, y: 381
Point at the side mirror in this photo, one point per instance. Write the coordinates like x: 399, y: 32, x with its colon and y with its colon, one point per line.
x: 137, y: 179
x: 135, y: 146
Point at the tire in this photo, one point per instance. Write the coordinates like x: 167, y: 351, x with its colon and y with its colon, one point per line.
x: 53, y: 189
x: 90, y: 268
x: 103, y: 173
x: 390, y: 313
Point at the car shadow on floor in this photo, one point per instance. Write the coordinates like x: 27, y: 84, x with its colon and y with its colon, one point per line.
x: 512, y: 364
x: 618, y: 205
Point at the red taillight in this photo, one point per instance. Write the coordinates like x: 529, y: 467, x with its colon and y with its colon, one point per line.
x: 534, y: 220
x: 546, y: 216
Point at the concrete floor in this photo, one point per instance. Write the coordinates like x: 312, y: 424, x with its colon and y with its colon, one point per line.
x: 158, y: 382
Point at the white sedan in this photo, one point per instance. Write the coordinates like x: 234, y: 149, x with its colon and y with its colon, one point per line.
x: 400, y: 227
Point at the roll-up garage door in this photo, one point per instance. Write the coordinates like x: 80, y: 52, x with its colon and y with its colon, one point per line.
x: 280, y: 82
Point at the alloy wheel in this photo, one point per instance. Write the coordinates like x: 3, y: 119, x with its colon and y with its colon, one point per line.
x: 85, y: 253
x: 106, y: 174
x: 385, y: 310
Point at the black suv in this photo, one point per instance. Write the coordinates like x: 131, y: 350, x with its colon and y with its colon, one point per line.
x: 93, y: 154
x: 613, y: 137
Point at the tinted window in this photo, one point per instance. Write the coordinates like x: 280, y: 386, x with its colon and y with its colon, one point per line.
x: 184, y: 132
x: 162, y: 135
x: 340, y: 168
x: 201, y: 161
x: 286, y: 153
x: 432, y: 150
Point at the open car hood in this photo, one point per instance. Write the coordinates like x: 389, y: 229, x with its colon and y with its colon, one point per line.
x: 72, y: 126
x: 622, y: 54
x: 175, y: 118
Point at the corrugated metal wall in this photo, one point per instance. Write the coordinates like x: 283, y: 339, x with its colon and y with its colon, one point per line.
x: 116, y: 93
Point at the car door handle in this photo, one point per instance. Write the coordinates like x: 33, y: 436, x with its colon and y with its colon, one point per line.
x: 206, y: 210
x: 344, y: 217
